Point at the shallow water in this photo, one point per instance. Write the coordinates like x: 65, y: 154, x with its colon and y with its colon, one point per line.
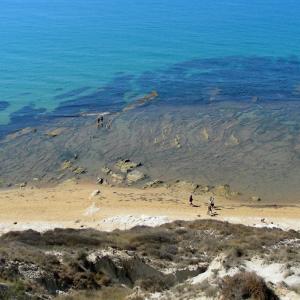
x: 227, y: 74
x: 199, y: 81
x: 254, y: 147
x: 101, y: 54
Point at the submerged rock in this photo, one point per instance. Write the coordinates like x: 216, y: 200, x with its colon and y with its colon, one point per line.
x: 67, y: 164
x: 106, y: 170
x: 176, y: 143
x: 135, y: 176
x: 117, y: 178
x: 141, y: 101
x: 79, y: 170
x: 55, y: 132
x: 184, y: 186
x: 224, y: 191
x: 232, y: 141
x: 204, y: 134
x: 154, y: 183
x: 20, y: 133
x: 126, y: 165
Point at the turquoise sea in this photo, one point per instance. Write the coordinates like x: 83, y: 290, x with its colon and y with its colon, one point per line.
x: 60, y: 57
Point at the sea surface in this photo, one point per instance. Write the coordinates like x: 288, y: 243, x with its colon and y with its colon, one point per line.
x: 62, y: 57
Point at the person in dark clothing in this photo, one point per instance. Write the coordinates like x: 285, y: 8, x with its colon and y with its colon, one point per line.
x: 212, y: 202
x: 191, y: 200
x: 99, y: 121
x: 209, y: 210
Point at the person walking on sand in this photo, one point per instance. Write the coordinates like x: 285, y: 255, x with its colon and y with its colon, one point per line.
x: 211, y: 205
x: 212, y: 202
x: 191, y: 200
x: 209, y: 209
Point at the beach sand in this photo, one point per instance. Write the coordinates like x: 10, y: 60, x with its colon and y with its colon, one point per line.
x: 72, y: 205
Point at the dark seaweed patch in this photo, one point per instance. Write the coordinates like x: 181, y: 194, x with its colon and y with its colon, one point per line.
x: 25, y: 94
x: 108, y: 98
x: 198, y: 81
x: 26, y: 113
x: 235, y: 79
x: 3, y: 105
x: 72, y: 93
x: 27, y: 116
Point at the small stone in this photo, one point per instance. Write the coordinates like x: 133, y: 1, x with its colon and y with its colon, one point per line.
x: 95, y: 193
x: 255, y: 198
x: 100, y: 180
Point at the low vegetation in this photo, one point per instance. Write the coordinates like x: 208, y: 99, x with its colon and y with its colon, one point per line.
x: 45, y: 264
x: 246, y: 286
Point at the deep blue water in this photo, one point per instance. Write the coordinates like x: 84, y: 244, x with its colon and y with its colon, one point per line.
x: 58, y: 57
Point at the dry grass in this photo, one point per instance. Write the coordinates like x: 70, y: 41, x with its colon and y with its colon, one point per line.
x: 246, y: 286
x: 182, y: 242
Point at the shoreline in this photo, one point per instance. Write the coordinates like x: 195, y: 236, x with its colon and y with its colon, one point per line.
x: 253, y: 148
x: 71, y: 205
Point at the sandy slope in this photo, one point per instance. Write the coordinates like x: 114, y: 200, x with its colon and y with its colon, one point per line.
x: 71, y: 205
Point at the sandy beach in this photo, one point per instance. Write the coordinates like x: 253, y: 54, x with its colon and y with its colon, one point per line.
x: 73, y: 205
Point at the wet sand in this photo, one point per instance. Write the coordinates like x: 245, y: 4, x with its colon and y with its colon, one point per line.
x: 71, y: 205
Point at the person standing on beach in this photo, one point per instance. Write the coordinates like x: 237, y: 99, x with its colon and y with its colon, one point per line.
x: 191, y: 200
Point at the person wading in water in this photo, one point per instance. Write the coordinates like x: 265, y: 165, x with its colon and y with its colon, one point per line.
x: 99, y: 121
